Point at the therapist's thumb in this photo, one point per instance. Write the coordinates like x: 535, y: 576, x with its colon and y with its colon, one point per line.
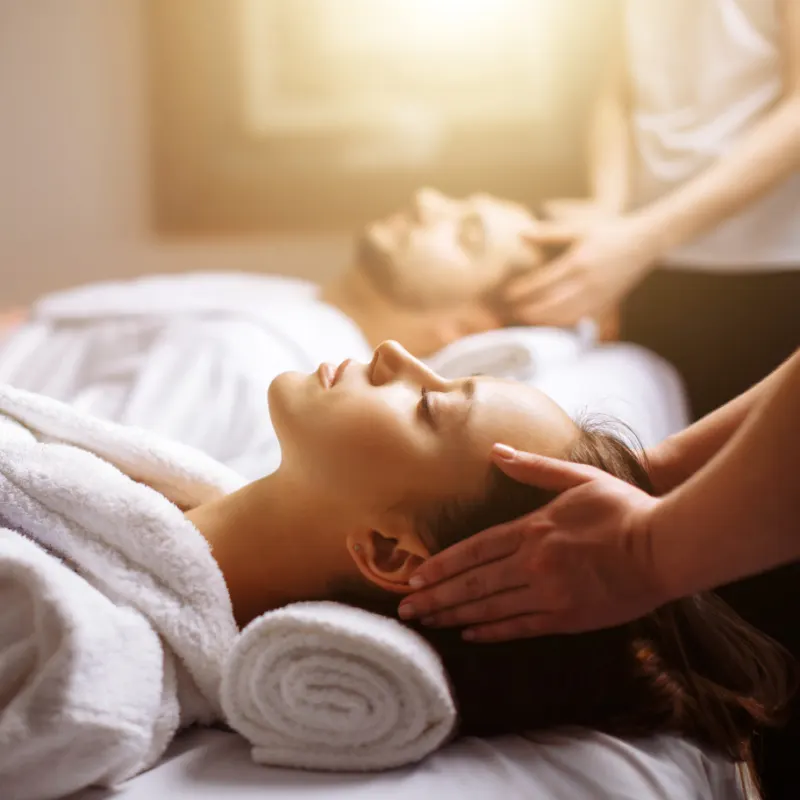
x: 547, y: 473
x: 551, y: 234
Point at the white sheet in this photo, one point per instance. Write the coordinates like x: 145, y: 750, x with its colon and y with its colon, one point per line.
x: 621, y: 382
x: 212, y: 765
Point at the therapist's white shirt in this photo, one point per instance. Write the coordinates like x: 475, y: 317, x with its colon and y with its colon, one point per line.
x: 702, y: 73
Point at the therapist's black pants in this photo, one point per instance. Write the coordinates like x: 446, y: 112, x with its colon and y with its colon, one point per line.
x: 724, y: 333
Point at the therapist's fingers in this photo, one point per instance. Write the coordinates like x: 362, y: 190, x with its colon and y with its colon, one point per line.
x: 539, y: 281
x: 496, y: 607
x: 562, y: 307
x: 551, y: 474
x: 552, y: 234
x: 490, y: 545
x: 475, y: 584
x: 575, y: 211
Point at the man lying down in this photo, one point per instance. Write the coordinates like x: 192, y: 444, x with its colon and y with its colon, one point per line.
x: 113, y: 596
x: 141, y: 352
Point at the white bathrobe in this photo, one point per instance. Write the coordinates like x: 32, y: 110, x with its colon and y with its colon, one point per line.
x: 187, y: 356
x: 114, y: 617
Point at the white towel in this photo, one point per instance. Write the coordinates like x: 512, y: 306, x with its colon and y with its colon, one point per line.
x: 513, y: 353
x: 327, y: 686
x: 123, y: 629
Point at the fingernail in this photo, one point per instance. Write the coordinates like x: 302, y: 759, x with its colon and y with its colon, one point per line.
x: 406, y: 611
x: 505, y: 452
x: 469, y: 636
x: 417, y: 582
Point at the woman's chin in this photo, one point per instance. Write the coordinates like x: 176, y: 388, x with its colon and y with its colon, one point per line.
x: 292, y: 395
x: 284, y: 393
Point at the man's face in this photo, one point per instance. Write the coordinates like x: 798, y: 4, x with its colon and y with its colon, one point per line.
x: 441, y: 252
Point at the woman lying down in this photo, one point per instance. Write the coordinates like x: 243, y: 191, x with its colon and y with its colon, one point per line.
x: 110, y: 616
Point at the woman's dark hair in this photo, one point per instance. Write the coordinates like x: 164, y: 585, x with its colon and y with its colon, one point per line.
x: 692, y: 667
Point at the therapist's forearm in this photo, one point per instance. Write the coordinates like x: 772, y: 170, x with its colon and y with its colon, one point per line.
x: 764, y: 157
x: 681, y: 455
x: 740, y: 514
x: 609, y: 143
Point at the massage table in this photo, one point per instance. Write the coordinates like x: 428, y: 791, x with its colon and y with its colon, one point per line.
x: 621, y: 381
x: 215, y: 765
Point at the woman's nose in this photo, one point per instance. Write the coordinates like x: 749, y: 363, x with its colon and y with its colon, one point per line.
x: 393, y: 362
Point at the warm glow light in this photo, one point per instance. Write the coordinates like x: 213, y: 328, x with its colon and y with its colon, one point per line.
x: 416, y: 63
x: 438, y: 25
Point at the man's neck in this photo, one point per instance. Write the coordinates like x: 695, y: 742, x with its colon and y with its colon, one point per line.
x: 273, y: 546
x: 375, y: 314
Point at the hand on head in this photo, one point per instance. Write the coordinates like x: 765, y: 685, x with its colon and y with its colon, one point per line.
x: 579, y: 563
x: 605, y: 257
x: 394, y: 459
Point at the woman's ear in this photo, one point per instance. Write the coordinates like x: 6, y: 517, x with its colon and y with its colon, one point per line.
x: 387, y: 560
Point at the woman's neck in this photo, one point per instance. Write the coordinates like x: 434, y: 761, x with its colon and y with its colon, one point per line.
x: 275, y: 544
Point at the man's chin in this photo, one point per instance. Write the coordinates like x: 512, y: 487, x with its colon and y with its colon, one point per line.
x: 378, y: 266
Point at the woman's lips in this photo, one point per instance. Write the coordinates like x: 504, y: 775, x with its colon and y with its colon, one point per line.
x: 329, y: 375
x: 326, y: 374
x: 337, y: 376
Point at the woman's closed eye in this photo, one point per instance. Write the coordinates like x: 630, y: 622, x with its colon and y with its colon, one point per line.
x: 424, y: 406
x: 451, y: 405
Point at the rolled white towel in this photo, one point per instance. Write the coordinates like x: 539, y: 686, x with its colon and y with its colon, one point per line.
x: 517, y: 353
x: 327, y: 686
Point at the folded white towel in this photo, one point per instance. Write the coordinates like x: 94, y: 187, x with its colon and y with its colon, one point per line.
x: 514, y: 353
x: 327, y: 686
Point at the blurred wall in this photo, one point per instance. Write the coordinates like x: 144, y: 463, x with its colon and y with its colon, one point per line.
x: 75, y: 199
x: 73, y: 147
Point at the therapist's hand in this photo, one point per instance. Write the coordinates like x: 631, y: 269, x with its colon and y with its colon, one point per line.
x: 581, y: 562
x: 604, y: 259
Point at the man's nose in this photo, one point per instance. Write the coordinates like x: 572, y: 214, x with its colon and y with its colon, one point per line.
x: 429, y: 205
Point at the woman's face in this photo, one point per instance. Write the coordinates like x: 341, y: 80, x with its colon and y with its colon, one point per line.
x: 392, y: 434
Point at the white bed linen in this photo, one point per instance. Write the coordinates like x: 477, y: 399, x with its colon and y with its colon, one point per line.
x: 213, y: 765
x: 621, y: 382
